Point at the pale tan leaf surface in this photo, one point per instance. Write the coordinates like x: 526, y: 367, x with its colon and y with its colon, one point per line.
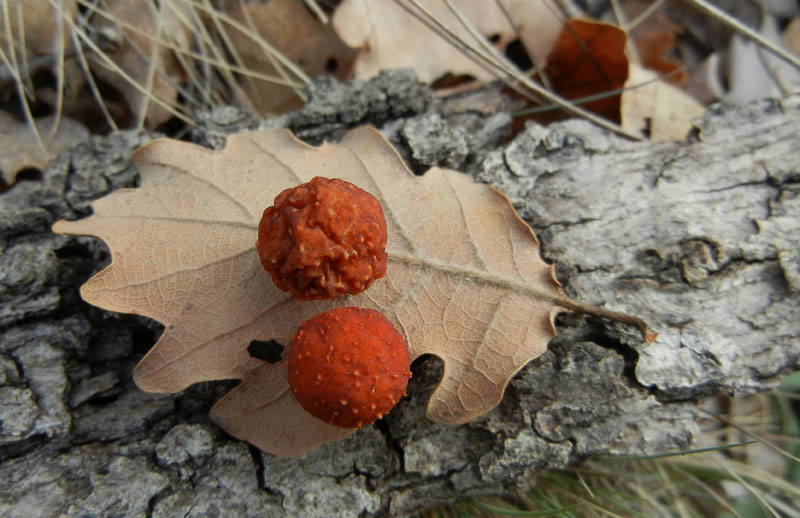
x: 390, y: 37
x: 22, y: 149
x: 538, y: 25
x: 465, y: 281
x: 39, y: 31
x: 655, y: 107
x: 791, y: 36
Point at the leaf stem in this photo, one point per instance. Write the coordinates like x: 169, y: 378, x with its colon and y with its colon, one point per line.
x: 579, y: 307
x: 552, y: 293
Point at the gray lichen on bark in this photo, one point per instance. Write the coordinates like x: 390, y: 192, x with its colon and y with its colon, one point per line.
x: 699, y: 238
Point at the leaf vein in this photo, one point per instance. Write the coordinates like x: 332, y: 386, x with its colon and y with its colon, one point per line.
x: 466, y: 222
x: 385, y: 200
x: 217, y: 338
x: 208, y: 182
x: 280, y: 162
x: 486, y: 277
x: 138, y: 217
x: 186, y: 270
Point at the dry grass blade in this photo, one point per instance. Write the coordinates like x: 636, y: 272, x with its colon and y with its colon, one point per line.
x: 10, y: 62
x: 715, y: 494
x: 538, y: 66
x: 60, y: 53
x: 317, y: 10
x: 746, y: 31
x: 645, y: 14
x: 87, y: 40
x: 92, y: 84
x: 704, y: 481
x: 674, y: 493
x: 603, y: 95
x: 743, y: 471
x: 152, y: 61
x: 753, y: 491
x: 212, y: 61
x: 208, y: 54
x: 756, y: 437
x: 219, y: 17
x: 206, y: 40
x: 275, y: 63
x: 622, y: 21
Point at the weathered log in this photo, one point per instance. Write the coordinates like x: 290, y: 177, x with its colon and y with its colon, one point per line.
x: 699, y: 238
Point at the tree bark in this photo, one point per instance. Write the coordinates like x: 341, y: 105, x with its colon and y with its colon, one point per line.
x: 698, y: 237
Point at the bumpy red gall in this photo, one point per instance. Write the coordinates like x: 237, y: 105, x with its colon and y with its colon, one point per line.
x: 348, y: 366
x: 323, y: 239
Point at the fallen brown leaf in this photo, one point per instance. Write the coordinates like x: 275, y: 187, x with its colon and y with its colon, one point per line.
x: 40, y: 27
x: 22, y: 150
x: 139, y: 29
x: 791, y: 36
x: 654, y: 108
x: 589, y: 58
x: 465, y: 281
x: 538, y: 25
x: 299, y: 35
x: 654, y: 39
x: 390, y: 37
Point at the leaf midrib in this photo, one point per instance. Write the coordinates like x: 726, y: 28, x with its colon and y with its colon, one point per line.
x: 483, y: 276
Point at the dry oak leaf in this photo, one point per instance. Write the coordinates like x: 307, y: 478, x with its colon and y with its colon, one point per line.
x: 465, y: 281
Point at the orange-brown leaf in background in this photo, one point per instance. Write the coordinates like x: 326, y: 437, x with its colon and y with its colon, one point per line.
x: 655, y: 38
x: 465, y: 281
x: 589, y: 58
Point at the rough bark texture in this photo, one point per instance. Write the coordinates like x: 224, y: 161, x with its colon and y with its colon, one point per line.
x: 699, y: 238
